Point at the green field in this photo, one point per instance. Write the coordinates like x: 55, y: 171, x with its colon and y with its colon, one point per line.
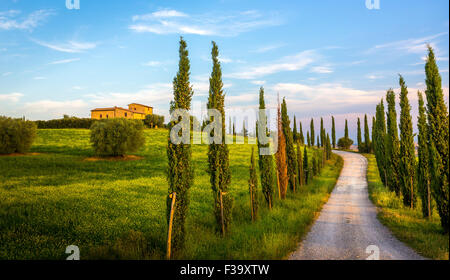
x: 116, y: 209
x: 424, y: 236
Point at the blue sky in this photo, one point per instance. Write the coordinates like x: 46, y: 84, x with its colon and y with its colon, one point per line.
x: 326, y: 57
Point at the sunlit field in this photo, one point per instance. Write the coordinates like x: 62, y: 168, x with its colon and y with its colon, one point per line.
x: 58, y: 196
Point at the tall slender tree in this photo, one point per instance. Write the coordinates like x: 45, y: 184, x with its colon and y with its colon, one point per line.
x: 265, y: 161
x: 309, y: 139
x: 291, y: 160
x: 367, y: 143
x: 322, y: 134
x: 372, y: 146
x: 438, y: 129
x: 180, y: 172
x: 392, y: 145
x: 253, y: 188
x: 282, y: 170
x: 318, y: 141
x: 305, y: 165
x: 423, y: 167
x: 301, y: 175
x: 333, y: 132
x: 302, y: 138
x: 360, y: 144
x: 311, y: 132
x: 380, y: 141
x: 294, y: 131
x: 346, y: 130
x: 218, y: 154
x: 407, y: 151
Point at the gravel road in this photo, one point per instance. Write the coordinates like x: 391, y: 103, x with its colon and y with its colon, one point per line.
x: 347, y: 228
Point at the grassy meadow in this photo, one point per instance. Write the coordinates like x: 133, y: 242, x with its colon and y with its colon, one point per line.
x: 54, y: 197
x: 425, y: 236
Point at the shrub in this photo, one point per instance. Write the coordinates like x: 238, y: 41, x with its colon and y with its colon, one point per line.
x: 116, y: 137
x: 154, y: 121
x: 16, y: 135
x: 66, y: 122
x: 345, y: 143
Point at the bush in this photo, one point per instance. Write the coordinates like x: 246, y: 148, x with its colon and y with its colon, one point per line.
x: 152, y: 121
x: 16, y: 135
x: 66, y: 122
x: 344, y: 143
x: 116, y: 137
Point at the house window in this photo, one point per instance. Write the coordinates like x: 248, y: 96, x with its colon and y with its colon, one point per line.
x: 126, y: 115
x: 107, y: 116
x: 101, y: 116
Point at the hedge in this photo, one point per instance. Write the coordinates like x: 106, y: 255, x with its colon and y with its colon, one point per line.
x: 66, y: 122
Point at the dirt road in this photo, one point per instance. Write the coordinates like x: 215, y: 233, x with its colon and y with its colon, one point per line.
x: 347, y: 228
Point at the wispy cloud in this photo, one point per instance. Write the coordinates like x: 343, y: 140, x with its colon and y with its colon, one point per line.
x: 322, y: 69
x: 175, y: 22
x: 414, y: 45
x: 11, y: 97
x: 268, y: 48
x: 288, y: 63
x: 11, y: 20
x: 64, y: 61
x: 69, y: 47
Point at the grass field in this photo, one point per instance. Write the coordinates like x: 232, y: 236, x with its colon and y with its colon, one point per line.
x: 425, y: 236
x: 116, y: 209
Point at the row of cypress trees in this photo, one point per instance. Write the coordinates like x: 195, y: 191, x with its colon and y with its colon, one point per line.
x: 395, y: 155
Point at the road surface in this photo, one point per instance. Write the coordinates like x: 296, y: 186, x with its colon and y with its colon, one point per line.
x: 348, y: 228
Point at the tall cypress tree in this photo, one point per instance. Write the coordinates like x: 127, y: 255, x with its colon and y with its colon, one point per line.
x: 218, y: 154
x: 367, y: 144
x: 180, y: 173
x: 333, y: 132
x: 372, y: 145
x: 311, y: 132
x: 282, y: 170
x: 322, y: 134
x: 253, y: 188
x: 328, y: 147
x: 301, y: 175
x: 290, y: 150
x: 407, y: 151
x: 294, y: 131
x: 346, y: 130
x: 265, y: 161
x: 380, y: 141
x: 318, y: 141
x: 301, y: 137
x: 423, y: 168
x: 438, y: 129
x: 309, y: 139
x: 305, y: 165
x: 392, y: 145
x: 360, y: 144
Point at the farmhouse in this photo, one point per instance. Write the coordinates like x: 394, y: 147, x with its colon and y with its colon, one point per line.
x: 134, y: 111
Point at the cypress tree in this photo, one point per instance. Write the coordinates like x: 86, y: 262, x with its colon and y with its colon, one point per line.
x: 318, y: 141
x: 305, y: 165
x: 301, y: 175
x: 380, y: 141
x: 333, y: 132
x: 372, y: 146
x: 180, y: 173
x: 253, y: 188
x: 265, y: 161
x: 328, y: 147
x: 322, y: 133
x: 309, y: 139
x: 423, y: 168
x: 367, y: 144
x: 360, y: 144
x: 282, y: 169
x: 218, y: 154
x: 346, y: 130
x: 290, y: 150
x: 407, y: 150
x: 311, y: 132
x: 302, y: 138
x: 294, y: 132
x: 392, y: 145
x: 438, y: 131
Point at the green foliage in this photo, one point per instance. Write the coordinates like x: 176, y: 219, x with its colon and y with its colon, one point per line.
x: 301, y: 172
x: 392, y: 145
x: 344, y: 143
x: 322, y: 134
x: 359, y: 139
x: 295, y: 134
x: 302, y: 137
x: 180, y: 171
x: 311, y: 132
x: 153, y: 121
x: 218, y: 155
x: 306, y: 166
x: 423, y: 167
x: 65, y: 122
x: 291, y: 158
x: 117, y: 137
x: 346, y: 130
x: 380, y: 142
x: 333, y: 132
x: 438, y: 128
x: 266, y: 168
x: 16, y: 135
x: 253, y: 187
x: 308, y: 139
x: 328, y: 147
x: 367, y: 144
x: 407, y: 151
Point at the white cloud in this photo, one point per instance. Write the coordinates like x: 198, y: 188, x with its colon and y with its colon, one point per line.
x: 64, y: 61
x: 9, y: 20
x: 152, y: 63
x: 268, y: 48
x: 39, y: 78
x: 175, y: 22
x: 373, y: 77
x: 256, y: 82
x: 56, y: 109
x: 322, y: 69
x: 415, y: 45
x: 11, y: 97
x: 288, y: 63
x: 69, y: 47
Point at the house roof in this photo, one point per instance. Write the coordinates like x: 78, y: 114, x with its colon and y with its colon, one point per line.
x: 140, y: 105
x: 115, y: 108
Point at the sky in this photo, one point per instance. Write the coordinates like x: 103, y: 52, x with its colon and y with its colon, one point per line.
x: 325, y: 57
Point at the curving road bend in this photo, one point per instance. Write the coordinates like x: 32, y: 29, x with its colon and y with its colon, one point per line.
x: 348, y: 228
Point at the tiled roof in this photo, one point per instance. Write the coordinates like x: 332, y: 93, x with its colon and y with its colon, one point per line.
x: 140, y: 105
